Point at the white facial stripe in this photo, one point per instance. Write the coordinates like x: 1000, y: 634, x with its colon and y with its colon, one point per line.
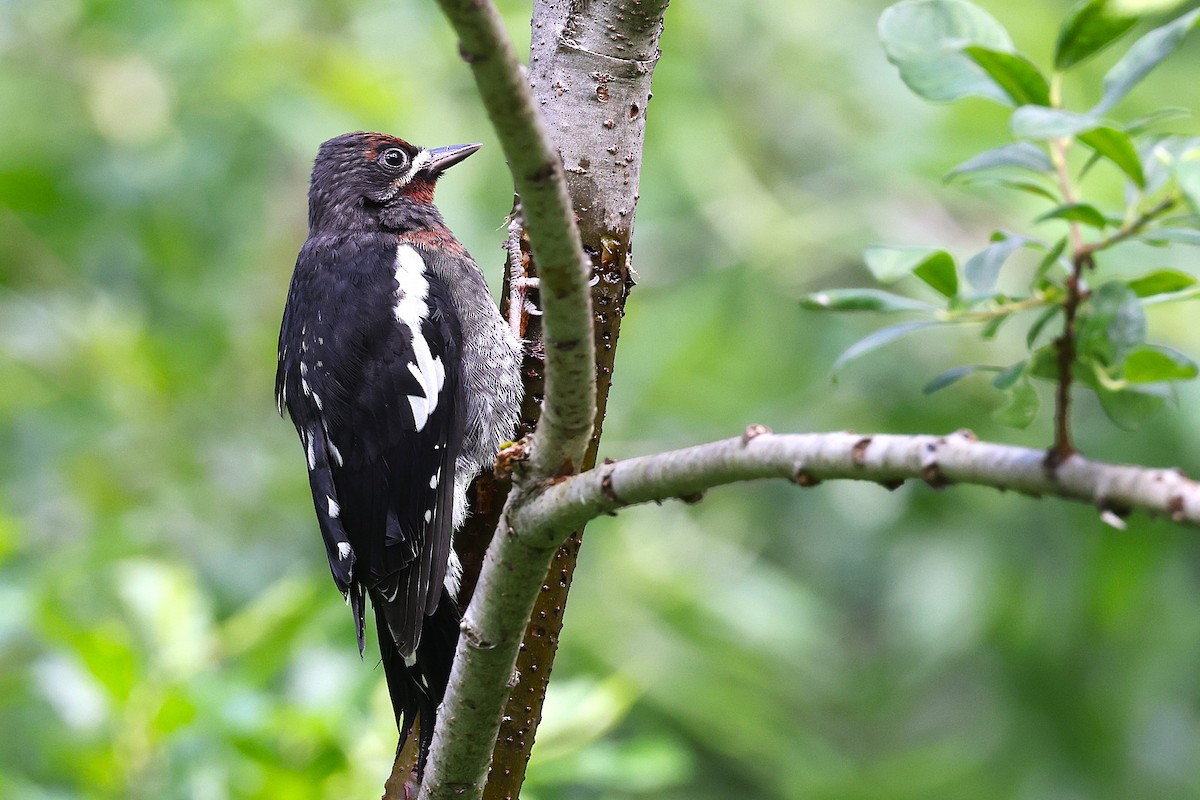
x: 418, y: 164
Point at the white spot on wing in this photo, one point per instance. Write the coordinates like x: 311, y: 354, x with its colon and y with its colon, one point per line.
x: 413, y: 288
x: 453, y: 574
x: 334, y: 511
x: 428, y: 515
x: 309, y: 439
x: 433, y: 482
x: 411, y: 309
x: 344, y: 552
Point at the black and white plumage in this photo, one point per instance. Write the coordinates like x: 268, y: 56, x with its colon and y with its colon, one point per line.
x: 402, y: 380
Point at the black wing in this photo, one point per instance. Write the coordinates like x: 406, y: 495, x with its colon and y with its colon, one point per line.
x: 369, y: 370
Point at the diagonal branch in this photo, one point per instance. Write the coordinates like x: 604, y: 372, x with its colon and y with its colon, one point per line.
x: 807, y: 459
x: 570, y: 394
x: 509, y: 580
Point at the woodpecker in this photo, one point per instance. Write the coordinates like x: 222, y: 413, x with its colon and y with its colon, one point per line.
x: 402, y: 380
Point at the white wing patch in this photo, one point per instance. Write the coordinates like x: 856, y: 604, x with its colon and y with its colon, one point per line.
x: 334, y: 509
x: 411, y: 309
x: 454, y: 572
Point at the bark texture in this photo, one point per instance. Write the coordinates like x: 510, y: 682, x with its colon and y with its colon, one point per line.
x: 508, y: 581
x: 591, y: 65
x: 1115, y: 490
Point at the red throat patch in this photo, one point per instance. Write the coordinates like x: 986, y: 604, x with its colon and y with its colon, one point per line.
x: 419, y: 189
x: 438, y: 238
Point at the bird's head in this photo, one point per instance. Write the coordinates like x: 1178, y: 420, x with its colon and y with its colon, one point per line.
x: 371, y: 180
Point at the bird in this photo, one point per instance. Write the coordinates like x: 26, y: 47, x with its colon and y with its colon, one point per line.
x: 403, y: 381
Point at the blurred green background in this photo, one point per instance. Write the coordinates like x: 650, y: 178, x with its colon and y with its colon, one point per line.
x: 168, y: 628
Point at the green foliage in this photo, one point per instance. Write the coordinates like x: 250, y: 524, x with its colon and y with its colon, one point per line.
x: 1161, y: 172
x: 773, y: 643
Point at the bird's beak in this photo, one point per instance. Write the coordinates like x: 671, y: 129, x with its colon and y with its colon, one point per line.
x: 442, y: 158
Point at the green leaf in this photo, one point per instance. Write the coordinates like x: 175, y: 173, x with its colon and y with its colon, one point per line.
x: 954, y: 375
x: 1044, y: 362
x: 1161, y: 157
x: 925, y: 38
x: 1038, y: 324
x: 1161, y: 236
x: 1090, y: 27
x: 1145, y: 7
x: 993, y: 326
x: 1051, y: 258
x: 1013, y: 73
x: 1021, y: 408
x: 1129, y: 408
x: 1009, y: 376
x: 982, y: 270
x: 1114, y: 323
x: 1021, y: 154
x: 1076, y: 212
x: 1163, y: 281
x: 935, y: 267
x: 861, y: 300
x: 1027, y: 186
x: 1145, y: 54
x: 940, y: 273
x: 1187, y: 175
x: 1037, y: 122
x: 1116, y: 146
x: 1127, y: 329
x: 1158, y: 365
x: 1142, y: 124
x: 876, y: 340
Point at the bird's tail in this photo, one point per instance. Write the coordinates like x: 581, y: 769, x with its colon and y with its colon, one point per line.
x: 417, y: 687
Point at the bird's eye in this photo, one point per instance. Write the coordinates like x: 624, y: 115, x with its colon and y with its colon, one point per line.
x: 393, y: 157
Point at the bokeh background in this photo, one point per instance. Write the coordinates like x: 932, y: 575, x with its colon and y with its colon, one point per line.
x: 168, y: 628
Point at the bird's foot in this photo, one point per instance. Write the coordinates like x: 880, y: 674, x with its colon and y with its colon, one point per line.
x: 519, y: 281
x: 511, y: 455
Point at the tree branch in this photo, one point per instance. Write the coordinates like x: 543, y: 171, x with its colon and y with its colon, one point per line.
x: 509, y: 580
x: 591, y: 67
x: 569, y: 404
x: 807, y: 459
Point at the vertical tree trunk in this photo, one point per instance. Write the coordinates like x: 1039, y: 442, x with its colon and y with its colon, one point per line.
x: 591, y: 65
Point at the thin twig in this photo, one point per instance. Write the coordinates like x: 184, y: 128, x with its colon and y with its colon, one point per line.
x: 1131, y: 228
x: 1063, y: 447
x: 1082, y: 261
